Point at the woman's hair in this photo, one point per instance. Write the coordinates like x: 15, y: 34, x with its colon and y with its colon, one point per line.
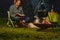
x: 16, y: 1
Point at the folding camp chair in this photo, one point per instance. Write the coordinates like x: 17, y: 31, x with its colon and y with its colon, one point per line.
x: 9, y: 20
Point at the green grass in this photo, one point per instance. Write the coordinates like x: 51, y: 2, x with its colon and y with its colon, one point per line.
x: 9, y: 33
x: 3, y: 21
x: 28, y: 34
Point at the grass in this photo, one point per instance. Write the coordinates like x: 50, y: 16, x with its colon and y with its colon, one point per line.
x: 27, y: 34
x: 9, y: 33
x: 3, y: 21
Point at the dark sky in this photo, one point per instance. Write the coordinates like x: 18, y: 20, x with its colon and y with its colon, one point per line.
x: 57, y: 5
x: 5, y: 4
